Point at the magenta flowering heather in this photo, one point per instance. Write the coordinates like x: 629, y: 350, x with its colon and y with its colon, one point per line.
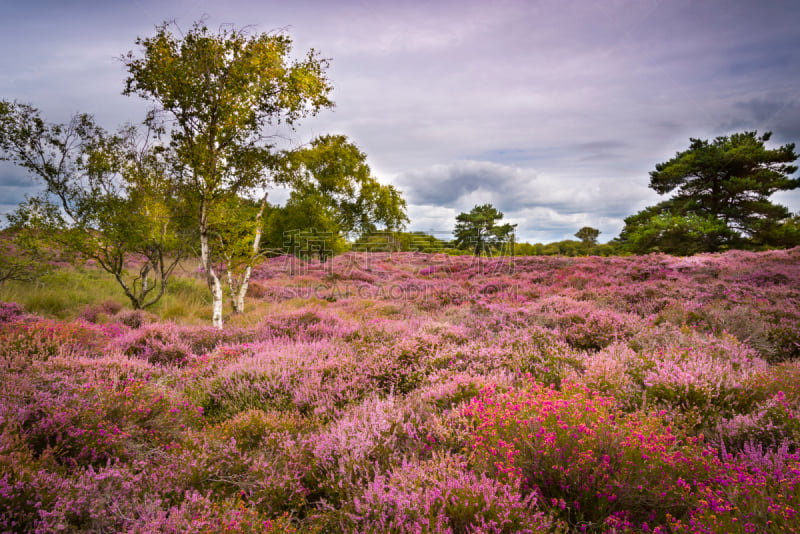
x: 443, y: 496
x: 574, y: 447
x: 10, y: 311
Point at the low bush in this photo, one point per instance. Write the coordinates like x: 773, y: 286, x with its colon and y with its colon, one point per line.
x: 573, y: 449
x: 34, y: 339
x: 88, y: 425
x: 443, y: 496
x: 10, y: 311
x: 170, y: 344
x: 636, y: 394
x: 757, y: 491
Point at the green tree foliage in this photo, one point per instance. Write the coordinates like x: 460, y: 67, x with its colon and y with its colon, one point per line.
x: 657, y: 229
x: 19, y: 262
x: 568, y: 247
x: 220, y: 91
x: 389, y: 241
x: 108, y: 198
x: 479, y: 232
x: 234, y: 228
x: 588, y: 235
x: 721, y: 198
x: 782, y: 233
x: 303, y: 229
x: 333, y: 194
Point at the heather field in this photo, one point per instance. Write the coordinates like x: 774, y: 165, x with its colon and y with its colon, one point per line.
x: 416, y: 392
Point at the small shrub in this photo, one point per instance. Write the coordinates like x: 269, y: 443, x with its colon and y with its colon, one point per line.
x: 606, y: 371
x: 771, y: 423
x: 226, y: 396
x: 597, y: 467
x: 10, y: 311
x: 271, y: 477
x: 700, y: 382
x: 170, y: 344
x: 441, y: 496
x: 35, y: 339
x: 135, y: 318
x: 95, y: 313
x: 249, y: 428
x: 199, y: 514
x: 785, y: 336
x: 586, y: 327
x: 780, y: 378
x: 94, y: 425
x: 761, y: 494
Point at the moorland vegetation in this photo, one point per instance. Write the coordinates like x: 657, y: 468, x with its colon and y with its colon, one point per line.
x: 357, y: 378
x: 410, y: 392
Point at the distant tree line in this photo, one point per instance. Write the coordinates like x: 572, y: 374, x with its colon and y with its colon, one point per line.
x: 721, y: 201
x: 423, y: 242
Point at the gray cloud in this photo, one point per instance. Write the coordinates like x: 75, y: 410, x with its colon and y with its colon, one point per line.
x: 458, y: 102
x: 544, y: 207
x: 11, y: 197
x: 780, y: 115
x: 11, y: 175
x: 512, y: 187
x: 13, y: 194
x: 447, y: 184
x: 15, y: 185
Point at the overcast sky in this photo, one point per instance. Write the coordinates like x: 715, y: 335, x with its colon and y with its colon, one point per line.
x: 553, y: 111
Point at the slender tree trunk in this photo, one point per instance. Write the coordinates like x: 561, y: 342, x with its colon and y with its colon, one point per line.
x: 238, y: 291
x: 145, y: 271
x: 216, y: 306
x: 233, y: 287
x: 131, y: 294
x: 239, y: 306
x: 212, y: 279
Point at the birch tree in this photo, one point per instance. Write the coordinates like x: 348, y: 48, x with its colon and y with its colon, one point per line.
x: 216, y: 93
x: 236, y: 231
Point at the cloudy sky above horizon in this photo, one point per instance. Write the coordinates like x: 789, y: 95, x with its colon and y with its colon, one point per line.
x: 554, y: 111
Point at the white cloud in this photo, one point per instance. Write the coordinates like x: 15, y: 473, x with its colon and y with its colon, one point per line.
x: 545, y: 207
x: 465, y: 183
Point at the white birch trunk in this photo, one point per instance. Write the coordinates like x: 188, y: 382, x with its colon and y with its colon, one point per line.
x: 239, y: 306
x: 212, y: 279
x: 238, y: 291
x: 233, y: 288
x: 216, y: 306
